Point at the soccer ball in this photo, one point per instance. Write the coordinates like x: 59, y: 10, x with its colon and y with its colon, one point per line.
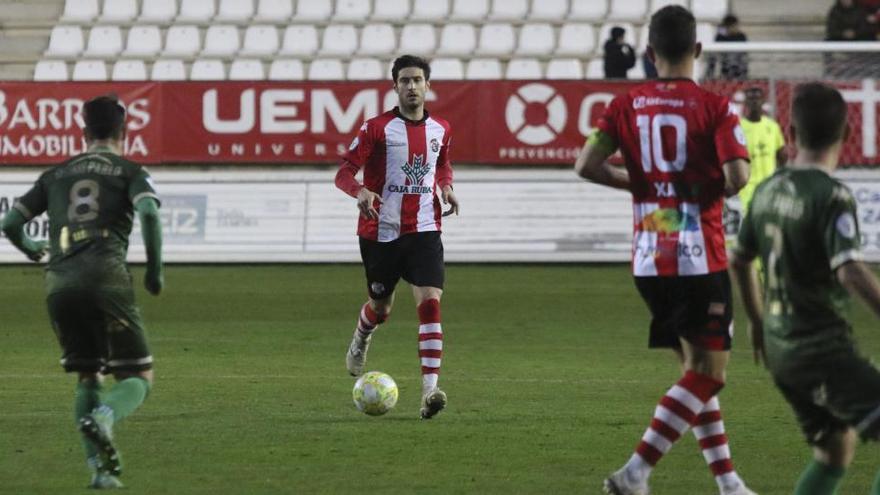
x: 375, y: 393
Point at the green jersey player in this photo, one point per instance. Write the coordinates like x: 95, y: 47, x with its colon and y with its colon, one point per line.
x: 802, y: 224
x: 91, y: 200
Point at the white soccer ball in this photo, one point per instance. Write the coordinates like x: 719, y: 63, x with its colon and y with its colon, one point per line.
x: 375, y: 393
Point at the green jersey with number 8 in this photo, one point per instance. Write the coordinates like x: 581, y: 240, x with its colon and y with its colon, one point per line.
x: 90, y: 203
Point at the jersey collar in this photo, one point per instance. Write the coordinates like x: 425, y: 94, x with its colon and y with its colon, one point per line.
x: 408, y: 121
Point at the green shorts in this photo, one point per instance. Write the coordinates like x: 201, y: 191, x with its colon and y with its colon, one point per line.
x: 99, y: 331
x: 838, y: 391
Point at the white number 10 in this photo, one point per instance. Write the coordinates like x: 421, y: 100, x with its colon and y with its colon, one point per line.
x: 651, y: 140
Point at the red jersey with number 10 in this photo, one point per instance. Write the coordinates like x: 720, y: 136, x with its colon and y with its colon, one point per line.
x: 674, y: 137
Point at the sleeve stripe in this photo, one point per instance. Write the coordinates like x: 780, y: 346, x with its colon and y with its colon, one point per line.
x: 146, y: 194
x: 23, y: 210
x: 845, y: 256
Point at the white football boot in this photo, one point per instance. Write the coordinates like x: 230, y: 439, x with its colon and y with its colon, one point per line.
x: 621, y: 484
x: 433, y: 401
x: 356, y: 357
x: 740, y: 490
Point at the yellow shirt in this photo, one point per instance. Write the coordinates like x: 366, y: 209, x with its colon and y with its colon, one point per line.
x: 763, y: 139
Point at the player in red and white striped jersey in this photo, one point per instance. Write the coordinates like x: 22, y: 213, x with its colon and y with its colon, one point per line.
x: 404, y: 154
x: 684, y: 151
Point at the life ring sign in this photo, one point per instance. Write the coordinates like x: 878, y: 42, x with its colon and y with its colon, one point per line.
x: 536, y: 114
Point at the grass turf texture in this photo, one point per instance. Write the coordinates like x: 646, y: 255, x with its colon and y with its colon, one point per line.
x: 550, y: 386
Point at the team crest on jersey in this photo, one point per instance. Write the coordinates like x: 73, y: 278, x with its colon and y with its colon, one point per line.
x: 435, y: 145
x: 417, y: 170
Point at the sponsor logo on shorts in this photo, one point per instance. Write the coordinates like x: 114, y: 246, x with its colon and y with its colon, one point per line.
x: 377, y: 287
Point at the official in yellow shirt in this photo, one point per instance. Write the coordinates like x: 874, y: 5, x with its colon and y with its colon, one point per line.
x: 764, y: 140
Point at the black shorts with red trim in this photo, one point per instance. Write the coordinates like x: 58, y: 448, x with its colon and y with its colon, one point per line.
x: 416, y: 257
x: 696, y: 308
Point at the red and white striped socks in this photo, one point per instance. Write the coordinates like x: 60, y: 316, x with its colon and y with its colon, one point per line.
x: 430, y: 342
x: 709, y: 430
x: 368, y: 321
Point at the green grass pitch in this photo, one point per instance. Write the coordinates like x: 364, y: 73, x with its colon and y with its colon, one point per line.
x: 550, y: 386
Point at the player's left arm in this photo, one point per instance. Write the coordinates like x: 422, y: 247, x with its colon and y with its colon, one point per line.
x: 29, y: 206
x: 444, y: 177
x: 746, y: 277
x: 781, y: 152
x: 592, y: 162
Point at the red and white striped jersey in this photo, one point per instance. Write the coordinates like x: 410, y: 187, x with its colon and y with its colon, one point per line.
x: 675, y: 136
x: 405, y: 162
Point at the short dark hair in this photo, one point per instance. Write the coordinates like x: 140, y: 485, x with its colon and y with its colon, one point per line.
x: 672, y: 32
x: 617, y: 32
x: 404, y: 61
x: 729, y: 20
x: 818, y: 115
x: 104, y: 117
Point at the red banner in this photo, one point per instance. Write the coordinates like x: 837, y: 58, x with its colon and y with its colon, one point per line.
x: 493, y: 122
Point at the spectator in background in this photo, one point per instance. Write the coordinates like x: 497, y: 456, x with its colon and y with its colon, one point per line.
x: 619, y: 55
x: 733, y: 65
x: 872, y: 10
x: 847, y: 22
x: 649, y: 67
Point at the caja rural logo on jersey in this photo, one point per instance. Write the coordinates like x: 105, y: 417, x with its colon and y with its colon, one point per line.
x: 416, y: 170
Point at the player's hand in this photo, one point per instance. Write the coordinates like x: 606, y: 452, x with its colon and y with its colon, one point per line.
x: 154, y: 281
x: 756, y: 335
x: 42, y: 247
x: 449, y: 198
x: 366, y: 203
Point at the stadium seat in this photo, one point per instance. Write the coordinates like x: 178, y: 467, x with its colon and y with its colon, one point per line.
x: 129, y: 70
x: 158, y: 11
x: 483, y: 68
x: 274, y: 10
x: 377, y: 39
x: 104, y: 41
x: 457, y: 39
x: 628, y: 10
x: 65, y: 41
x: 596, y: 69
x: 549, y: 10
x: 496, y: 39
x: 89, y: 70
x: 299, y: 40
x: 168, y: 70
x: 326, y: 69
x: 221, y: 41
x: 50, y: 70
x: 706, y: 32
x: 659, y: 4
x: 313, y: 10
x: 339, y: 40
x: 637, y: 72
x: 418, y: 39
x: 709, y: 10
x: 469, y: 10
x: 365, y: 69
x: 196, y: 11
x: 391, y: 10
x: 235, y: 10
x: 564, y: 68
x: 577, y: 39
x: 182, y: 41
x: 79, y: 10
x: 286, y: 70
x: 430, y: 10
x: 587, y: 10
x: 246, y: 70
x: 260, y: 39
x: 447, y: 69
x: 509, y: 10
x: 207, y: 70
x: 119, y: 11
x: 143, y: 41
x: 642, y: 39
x: 523, y: 68
x: 605, y: 33
x: 352, y: 10
x: 536, y: 39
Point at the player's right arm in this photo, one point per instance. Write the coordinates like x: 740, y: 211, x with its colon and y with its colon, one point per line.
x: 32, y: 204
x: 736, y: 176
x: 143, y: 196
x: 858, y: 279
x: 746, y: 278
x: 354, y: 160
x: 730, y: 144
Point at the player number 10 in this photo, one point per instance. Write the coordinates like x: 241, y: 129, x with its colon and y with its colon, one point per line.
x: 651, y: 139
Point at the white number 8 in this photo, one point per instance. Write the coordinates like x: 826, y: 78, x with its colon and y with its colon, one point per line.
x: 83, y: 201
x: 651, y: 140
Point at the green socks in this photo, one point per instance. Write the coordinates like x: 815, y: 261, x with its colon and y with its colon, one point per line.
x: 84, y: 400
x: 819, y: 479
x: 126, y: 396
x: 876, y: 489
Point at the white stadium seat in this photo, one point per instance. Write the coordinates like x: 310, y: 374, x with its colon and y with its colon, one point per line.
x: 637, y: 72
x: 65, y: 41
x: 50, y: 70
x: 286, y: 70
x: 207, y: 70
x: 587, y: 10
x: 642, y: 40
x: 196, y: 11
x: 351, y: 10
x: 447, y: 69
x: 89, y: 70
x: 182, y: 41
x: 221, y: 41
x: 605, y: 33
x: 391, y: 10
x: 313, y: 10
x: 260, y: 40
x: 301, y: 39
x: 430, y: 10
x: 509, y: 10
x: 659, y: 4
x: 104, y: 41
x: 326, y: 69
x: 548, y: 10
x: 483, y: 68
x: 143, y: 41
x: 79, y: 10
x: 706, y: 32
x: 628, y: 10
x: 709, y: 10
x: 457, y: 39
x: 523, y: 68
x: 565, y: 68
x: 596, y: 69
x: 536, y: 39
x: 377, y: 39
x: 158, y: 11
x: 246, y: 70
x: 168, y: 70
x: 365, y: 69
x: 129, y: 70
x: 576, y: 40
x: 496, y: 39
x: 235, y: 10
x: 274, y: 10
x: 119, y: 11
x: 418, y: 39
x: 339, y: 40
x: 469, y: 10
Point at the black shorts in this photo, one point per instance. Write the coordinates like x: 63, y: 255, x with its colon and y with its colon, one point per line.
x: 417, y: 257
x: 696, y: 308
